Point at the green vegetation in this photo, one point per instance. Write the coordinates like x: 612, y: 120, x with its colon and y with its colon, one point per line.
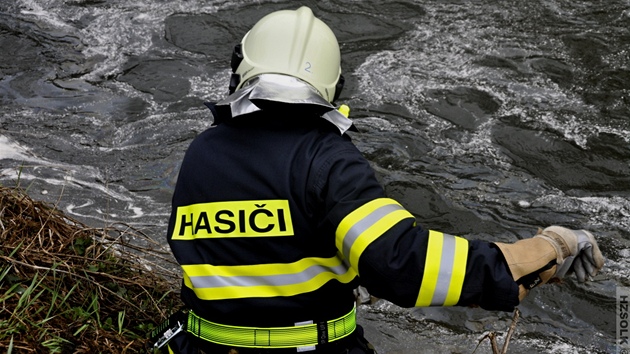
x: 68, y: 288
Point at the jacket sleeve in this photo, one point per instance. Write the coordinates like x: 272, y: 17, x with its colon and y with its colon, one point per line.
x: 398, y: 260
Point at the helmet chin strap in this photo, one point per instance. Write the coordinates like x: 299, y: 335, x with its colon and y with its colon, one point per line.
x: 235, y: 79
x: 339, y: 87
x: 235, y: 61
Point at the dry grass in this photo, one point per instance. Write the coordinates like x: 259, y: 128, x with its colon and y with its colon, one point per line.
x: 68, y: 288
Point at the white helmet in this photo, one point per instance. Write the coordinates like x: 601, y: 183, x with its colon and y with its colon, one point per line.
x: 293, y: 43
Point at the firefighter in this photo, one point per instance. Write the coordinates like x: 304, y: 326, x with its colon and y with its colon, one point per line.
x: 277, y: 217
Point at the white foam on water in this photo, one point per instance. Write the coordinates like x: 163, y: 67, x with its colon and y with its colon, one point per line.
x: 210, y: 87
x: 64, y: 176
x: 551, y: 347
x: 88, y: 192
x: 118, y: 32
x: 43, y: 11
x: 404, y: 76
x: 428, y: 59
x: 604, y: 212
x: 10, y: 150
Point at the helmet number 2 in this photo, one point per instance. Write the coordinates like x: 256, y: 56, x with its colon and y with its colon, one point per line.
x: 308, y: 66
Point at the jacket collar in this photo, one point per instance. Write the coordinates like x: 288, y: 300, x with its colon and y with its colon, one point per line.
x: 281, y: 89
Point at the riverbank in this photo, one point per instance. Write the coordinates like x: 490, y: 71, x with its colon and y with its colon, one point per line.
x: 66, y: 287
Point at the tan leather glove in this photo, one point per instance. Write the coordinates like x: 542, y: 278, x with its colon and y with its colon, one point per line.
x: 550, y: 254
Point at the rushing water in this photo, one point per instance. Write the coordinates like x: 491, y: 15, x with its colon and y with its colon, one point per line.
x: 487, y: 119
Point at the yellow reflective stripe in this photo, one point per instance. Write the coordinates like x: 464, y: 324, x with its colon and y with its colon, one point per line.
x: 365, y: 224
x: 264, y: 280
x: 458, y: 273
x: 444, y: 270
x: 246, y: 218
x: 431, y: 270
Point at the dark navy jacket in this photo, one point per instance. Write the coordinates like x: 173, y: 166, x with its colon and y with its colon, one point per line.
x: 264, y: 205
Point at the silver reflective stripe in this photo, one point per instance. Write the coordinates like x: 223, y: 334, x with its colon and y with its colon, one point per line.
x: 446, y: 270
x: 216, y: 281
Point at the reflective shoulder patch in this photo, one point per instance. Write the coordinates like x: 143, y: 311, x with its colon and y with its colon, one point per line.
x: 247, y: 218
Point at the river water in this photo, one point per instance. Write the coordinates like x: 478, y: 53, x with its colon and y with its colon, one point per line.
x: 486, y: 119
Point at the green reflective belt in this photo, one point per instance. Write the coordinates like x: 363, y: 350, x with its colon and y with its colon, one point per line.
x: 272, y: 337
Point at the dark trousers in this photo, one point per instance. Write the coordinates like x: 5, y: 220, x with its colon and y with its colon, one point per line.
x: 355, y: 343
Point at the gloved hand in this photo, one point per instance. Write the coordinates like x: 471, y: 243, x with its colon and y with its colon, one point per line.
x: 577, y: 252
x: 552, y: 253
